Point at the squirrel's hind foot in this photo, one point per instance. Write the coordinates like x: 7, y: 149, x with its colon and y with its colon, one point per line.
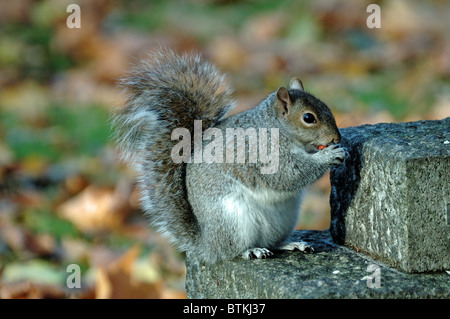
x: 298, y: 245
x: 257, y: 253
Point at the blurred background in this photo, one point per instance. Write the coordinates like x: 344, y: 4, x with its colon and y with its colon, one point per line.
x: 64, y: 197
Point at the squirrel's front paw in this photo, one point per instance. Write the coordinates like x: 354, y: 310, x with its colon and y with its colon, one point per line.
x: 333, y: 154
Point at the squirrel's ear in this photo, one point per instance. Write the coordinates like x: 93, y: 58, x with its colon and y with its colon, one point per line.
x: 284, y: 101
x: 296, y: 84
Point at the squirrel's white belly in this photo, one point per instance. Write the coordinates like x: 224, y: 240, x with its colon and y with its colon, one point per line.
x: 262, y: 218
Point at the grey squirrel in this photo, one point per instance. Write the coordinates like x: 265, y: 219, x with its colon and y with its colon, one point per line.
x: 219, y: 210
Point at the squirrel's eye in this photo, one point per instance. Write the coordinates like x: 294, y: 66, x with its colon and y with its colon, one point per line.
x: 309, y: 118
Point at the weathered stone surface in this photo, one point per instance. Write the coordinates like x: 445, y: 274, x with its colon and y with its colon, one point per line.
x: 332, y: 271
x: 391, y: 197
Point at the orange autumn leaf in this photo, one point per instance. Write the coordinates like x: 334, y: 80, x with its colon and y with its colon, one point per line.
x: 95, y: 209
x: 116, y: 282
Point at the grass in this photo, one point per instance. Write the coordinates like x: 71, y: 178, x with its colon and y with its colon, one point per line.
x: 66, y: 131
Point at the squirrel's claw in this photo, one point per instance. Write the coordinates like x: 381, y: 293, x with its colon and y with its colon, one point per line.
x: 257, y: 253
x: 298, y: 245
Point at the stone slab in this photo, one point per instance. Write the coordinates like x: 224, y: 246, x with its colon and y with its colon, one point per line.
x: 332, y: 271
x: 391, y: 197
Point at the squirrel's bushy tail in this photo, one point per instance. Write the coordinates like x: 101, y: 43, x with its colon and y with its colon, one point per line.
x: 165, y: 93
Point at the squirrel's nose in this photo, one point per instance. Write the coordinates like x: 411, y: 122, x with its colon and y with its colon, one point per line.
x: 337, y: 139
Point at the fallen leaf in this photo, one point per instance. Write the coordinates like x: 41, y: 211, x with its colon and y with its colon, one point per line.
x: 75, y: 183
x: 228, y: 53
x: 265, y: 28
x: 74, y: 249
x: 29, y: 290
x: 42, y: 244
x: 116, y: 281
x: 36, y: 271
x: 95, y: 209
x: 14, y: 236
